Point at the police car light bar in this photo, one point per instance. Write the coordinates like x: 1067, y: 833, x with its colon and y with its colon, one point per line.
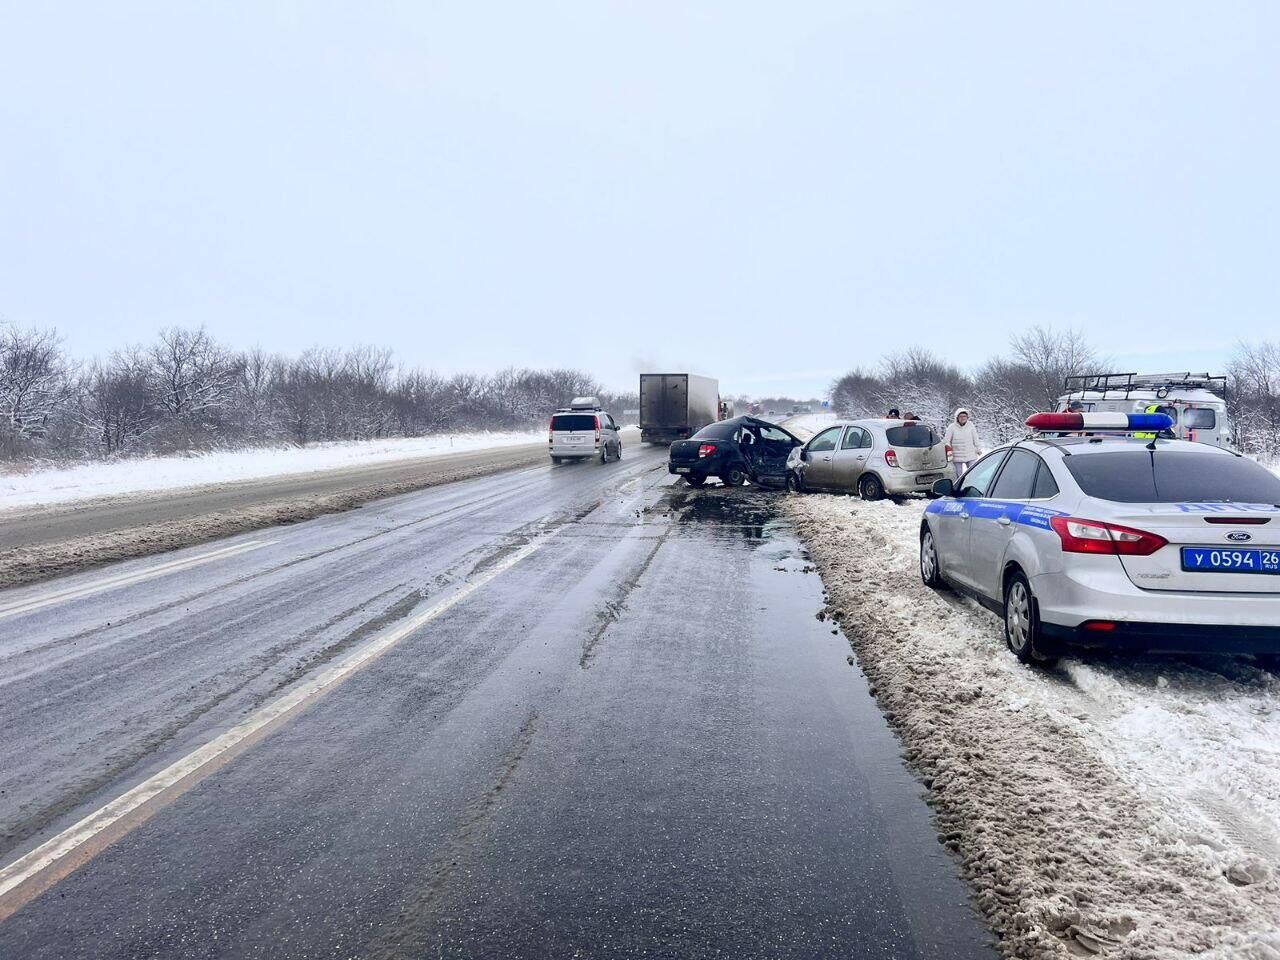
x: 1124, y: 422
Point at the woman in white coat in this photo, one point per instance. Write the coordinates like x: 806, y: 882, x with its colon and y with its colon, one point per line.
x: 962, y: 436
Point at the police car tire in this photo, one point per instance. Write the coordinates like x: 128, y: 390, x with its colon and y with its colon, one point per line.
x: 795, y: 483
x: 1029, y: 652
x: 934, y: 578
x: 870, y: 488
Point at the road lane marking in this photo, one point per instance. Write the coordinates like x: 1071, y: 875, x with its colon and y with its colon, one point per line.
x: 53, y: 860
x: 127, y: 579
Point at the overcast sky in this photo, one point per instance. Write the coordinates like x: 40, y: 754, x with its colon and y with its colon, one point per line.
x: 770, y: 193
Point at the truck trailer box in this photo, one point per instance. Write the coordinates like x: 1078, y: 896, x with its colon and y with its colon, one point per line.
x: 675, y: 406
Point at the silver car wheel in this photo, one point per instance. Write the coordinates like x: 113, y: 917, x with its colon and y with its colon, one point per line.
x: 928, y: 558
x: 1017, y: 616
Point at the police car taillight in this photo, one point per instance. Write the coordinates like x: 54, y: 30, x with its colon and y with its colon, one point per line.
x: 1094, y: 536
x: 891, y: 457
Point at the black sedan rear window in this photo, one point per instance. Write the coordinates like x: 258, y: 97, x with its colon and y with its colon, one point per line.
x: 722, y: 430
x: 912, y: 435
x: 573, y: 421
x: 1146, y: 476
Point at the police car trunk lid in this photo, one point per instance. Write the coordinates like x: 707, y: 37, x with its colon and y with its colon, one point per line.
x: 1207, y: 531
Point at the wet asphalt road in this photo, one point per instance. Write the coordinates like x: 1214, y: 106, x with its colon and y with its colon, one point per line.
x: 635, y: 739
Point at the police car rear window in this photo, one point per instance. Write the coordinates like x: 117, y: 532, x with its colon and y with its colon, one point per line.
x: 1145, y: 476
x: 915, y: 435
x: 573, y: 421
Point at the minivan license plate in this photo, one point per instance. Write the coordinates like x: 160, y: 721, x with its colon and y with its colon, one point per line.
x: 1230, y: 561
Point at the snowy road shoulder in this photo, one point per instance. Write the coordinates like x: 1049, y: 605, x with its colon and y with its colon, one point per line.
x: 1115, y: 808
x: 46, y: 487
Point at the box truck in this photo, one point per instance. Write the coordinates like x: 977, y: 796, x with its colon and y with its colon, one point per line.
x: 675, y: 406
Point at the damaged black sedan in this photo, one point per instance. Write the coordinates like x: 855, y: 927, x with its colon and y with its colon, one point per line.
x: 735, y: 451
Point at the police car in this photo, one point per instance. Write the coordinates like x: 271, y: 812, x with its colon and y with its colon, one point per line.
x: 1085, y: 535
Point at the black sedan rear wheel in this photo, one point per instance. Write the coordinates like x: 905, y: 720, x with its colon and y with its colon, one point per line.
x: 734, y: 477
x: 693, y: 481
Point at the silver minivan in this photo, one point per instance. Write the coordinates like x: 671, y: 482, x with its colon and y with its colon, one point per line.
x: 583, y: 431
x: 872, y: 458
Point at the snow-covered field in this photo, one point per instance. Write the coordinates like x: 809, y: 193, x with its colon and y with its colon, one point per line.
x: 151, y: 474
x: 805, y: 425
x: 1118, y: 808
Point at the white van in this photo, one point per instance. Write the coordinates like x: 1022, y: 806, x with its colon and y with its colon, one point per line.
x: 1196, y: 401
x: 583, y: 431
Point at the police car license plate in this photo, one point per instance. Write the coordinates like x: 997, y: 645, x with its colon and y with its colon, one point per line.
x: 1230, y: 561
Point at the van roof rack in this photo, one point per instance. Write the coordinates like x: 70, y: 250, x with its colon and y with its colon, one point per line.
x: 1128, y: 382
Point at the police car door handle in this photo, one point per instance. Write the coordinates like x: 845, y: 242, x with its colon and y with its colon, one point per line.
x: 964, y: 516
x: 1003, y: 521
x: 826, y: 459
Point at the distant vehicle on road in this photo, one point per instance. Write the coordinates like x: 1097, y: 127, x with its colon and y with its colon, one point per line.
x: 1196, y: 402
x: 674, y: 406
x: 583, y: 431
x: 871, y: 458
x: 737, y: 450
x: 1115, y: 542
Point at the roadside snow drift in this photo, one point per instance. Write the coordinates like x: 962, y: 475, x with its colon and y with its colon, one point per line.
x: 151, y: 474
x: 1111, y: 808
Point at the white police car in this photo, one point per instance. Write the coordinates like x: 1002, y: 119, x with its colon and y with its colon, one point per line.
x: 1110, y: 540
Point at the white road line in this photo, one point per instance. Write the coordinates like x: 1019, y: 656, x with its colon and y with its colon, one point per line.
x: 126, y: 579
x: 49, y: 853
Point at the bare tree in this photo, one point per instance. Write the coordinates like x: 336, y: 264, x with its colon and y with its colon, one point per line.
x: 1254, y: 398
x: 1053, y: 356
x: 35, y: 385
x: 192, y: 379
x: 117, y: 402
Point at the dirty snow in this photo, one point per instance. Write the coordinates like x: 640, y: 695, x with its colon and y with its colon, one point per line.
x: 1113, y: 808
x: 151, y: 474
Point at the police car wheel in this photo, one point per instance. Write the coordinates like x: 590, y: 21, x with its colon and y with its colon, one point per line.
x: 1021, y: 629
x: 929, y: 571
x: 794, y: 483
x: 870, y: 488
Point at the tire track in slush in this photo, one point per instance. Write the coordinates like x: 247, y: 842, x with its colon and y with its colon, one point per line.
x: 407, y: 935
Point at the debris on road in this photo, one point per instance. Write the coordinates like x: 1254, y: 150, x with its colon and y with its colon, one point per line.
x: 1096, y: 809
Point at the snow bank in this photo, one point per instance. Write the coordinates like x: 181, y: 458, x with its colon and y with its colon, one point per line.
x: 1126, y: 808
x: 150, y: 474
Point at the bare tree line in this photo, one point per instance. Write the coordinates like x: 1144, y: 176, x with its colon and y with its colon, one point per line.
x: 1029, y: 377
x: 186, y: 391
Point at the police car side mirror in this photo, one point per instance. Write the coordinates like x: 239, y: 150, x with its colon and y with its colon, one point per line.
x: 943, y: 488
